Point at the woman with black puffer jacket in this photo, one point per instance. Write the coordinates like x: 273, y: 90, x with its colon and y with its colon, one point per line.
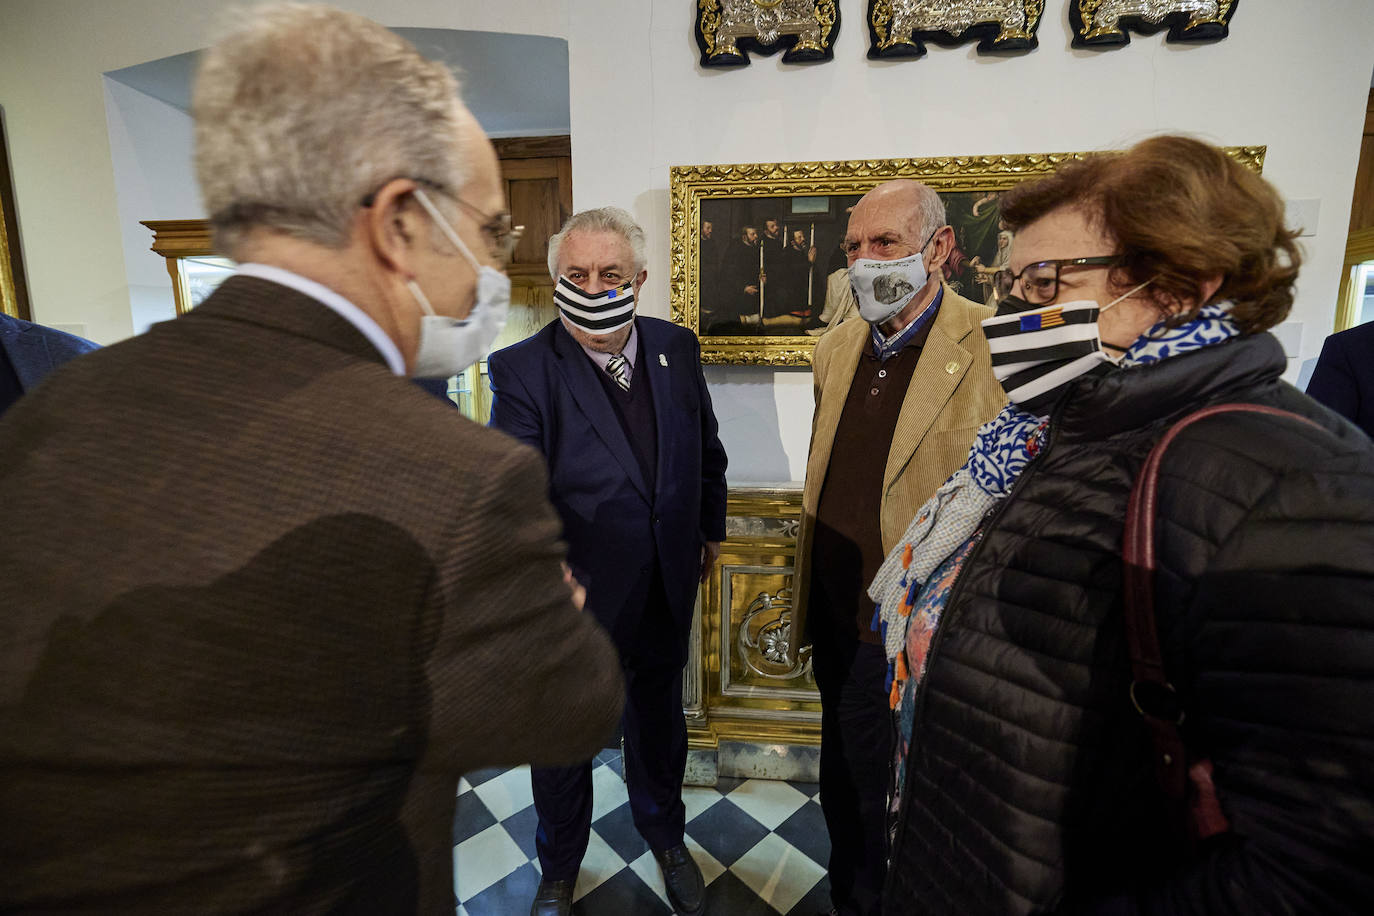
x: 1047, y: 762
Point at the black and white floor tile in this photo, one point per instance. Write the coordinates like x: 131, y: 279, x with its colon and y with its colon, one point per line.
x: 761, y: 845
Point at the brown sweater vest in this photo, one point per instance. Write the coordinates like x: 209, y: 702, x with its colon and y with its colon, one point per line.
x: 848, y: 545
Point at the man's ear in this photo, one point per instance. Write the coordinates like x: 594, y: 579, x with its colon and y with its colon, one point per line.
x: 394, y: 225
x: 639, y: 281
x: 940, y: 247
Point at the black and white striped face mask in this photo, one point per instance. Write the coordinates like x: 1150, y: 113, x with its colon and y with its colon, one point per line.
x: 596, y: 313
x: 1037, y: 352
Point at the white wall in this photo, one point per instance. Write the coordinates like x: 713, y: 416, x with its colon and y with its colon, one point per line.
x: 150, y: 157
x: 1296, y: 82
x: 53, y: 54
x: 640, y: 103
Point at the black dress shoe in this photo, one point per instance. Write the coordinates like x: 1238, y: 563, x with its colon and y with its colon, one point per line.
x: 682, y: 878
x: 554, y: 898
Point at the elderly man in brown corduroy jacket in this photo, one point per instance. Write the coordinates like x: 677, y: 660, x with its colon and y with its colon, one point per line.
x: 262, y: 600
x: 901, y: 389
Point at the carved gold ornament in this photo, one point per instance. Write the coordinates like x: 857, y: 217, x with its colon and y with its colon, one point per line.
x: 1099, y: 23
x: 896, y: 27
x: 727, y: 29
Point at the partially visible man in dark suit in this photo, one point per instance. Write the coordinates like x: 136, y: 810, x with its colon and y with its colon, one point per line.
x: 619, y: 407
x: 30, y: 351
x: 1344, y: 376
x: 264, y: 600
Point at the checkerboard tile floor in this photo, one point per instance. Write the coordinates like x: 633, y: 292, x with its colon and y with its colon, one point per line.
x: 761, y: 845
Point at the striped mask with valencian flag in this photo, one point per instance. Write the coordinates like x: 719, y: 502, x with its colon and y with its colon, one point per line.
x: 596, y: 313
x: 1037, y: 352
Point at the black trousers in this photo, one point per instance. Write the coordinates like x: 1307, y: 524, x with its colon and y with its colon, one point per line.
x: 655, y: 755
x: 856, y: 751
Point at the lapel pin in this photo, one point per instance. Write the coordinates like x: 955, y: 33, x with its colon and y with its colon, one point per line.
x: 951, y: 367
x: 662, y: 360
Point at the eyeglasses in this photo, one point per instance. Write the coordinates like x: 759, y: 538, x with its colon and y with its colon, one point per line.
x: 501, y: 236
x: 1040, y: 281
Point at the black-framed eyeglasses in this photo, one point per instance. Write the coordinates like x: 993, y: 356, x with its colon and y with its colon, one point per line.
x: 501, y: 235
x: 1040, y: 281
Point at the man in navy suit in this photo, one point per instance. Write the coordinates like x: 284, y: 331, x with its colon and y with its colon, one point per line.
x: 618, y: 405
x: 30, y: 351
x: 1344, y: 377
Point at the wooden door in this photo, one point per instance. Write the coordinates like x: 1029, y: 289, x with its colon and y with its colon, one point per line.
x: 537, y: 174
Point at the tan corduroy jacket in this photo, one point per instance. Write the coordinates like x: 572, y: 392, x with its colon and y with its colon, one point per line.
x: 952, y: 393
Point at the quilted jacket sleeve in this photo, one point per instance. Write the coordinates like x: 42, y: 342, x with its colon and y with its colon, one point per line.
x: 1266, y: 608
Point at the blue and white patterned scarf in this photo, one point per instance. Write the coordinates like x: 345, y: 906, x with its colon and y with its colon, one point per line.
x: 1000, y: 452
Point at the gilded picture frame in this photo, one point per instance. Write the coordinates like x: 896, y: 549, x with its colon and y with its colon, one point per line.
x: 714, y: 208
x: 14, y: 297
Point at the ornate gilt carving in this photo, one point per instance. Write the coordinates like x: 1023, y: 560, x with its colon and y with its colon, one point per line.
x: 764, y: 637
x: 691, y: 184
x: 1099, y: 23
x: 727, y: 29
x: 896, y: 27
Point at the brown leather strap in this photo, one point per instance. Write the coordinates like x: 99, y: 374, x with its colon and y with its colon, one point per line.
x: 1151, y: 693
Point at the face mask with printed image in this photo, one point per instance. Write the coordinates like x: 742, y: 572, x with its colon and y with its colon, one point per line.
x: 884, y: 288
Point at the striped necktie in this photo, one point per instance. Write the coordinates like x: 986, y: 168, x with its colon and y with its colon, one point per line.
x: 619, y: 368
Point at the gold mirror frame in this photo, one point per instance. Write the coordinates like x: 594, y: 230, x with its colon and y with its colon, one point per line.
x: 176, y: 239
x: 691, y: 184
x: 1359, y: 248
x: 14, y: 300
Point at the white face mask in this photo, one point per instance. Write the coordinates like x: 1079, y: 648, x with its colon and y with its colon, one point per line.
x: 884, y: 288
x: 1037, y: 352
x: 449, y: 345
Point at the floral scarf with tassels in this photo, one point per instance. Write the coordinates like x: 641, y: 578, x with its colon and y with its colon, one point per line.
x: 914, y: 582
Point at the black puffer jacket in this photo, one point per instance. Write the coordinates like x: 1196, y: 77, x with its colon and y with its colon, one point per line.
x: 1029, y: 787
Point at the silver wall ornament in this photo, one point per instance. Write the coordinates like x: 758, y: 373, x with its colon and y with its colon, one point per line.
x: 896, y: 27
x: 764, y: 639
x: 728, y: 29
x: 1107, y: 23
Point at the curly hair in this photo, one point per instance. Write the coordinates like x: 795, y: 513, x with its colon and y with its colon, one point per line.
x: 1181, y: 212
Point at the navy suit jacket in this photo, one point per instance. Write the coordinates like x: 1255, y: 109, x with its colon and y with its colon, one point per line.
x: 32, y: 351
x: 1344, y: 376
x: 547, y: 394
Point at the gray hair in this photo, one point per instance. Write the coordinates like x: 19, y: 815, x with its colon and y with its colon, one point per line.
x: 302, y: 110
x: 602, y: 219
x: 930, y: 211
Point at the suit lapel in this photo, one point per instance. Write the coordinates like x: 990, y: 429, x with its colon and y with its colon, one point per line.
x: 579, y: 375
x: 942, y: 366
x: 661, y: 386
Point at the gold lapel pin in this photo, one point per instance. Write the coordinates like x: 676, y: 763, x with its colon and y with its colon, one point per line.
x: 951, y: 367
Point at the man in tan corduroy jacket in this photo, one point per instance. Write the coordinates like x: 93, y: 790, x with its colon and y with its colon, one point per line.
x: 900, y: 393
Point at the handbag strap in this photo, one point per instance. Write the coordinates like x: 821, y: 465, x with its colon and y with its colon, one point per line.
x: 1151, y: 693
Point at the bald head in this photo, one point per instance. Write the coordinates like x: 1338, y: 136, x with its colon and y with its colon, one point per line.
x: 894, y: 220
x: 904, y: 204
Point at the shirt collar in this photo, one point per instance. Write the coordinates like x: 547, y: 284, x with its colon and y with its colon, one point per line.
x: 601, y: 359
x: 884, y: 347
x: 336, y: 303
